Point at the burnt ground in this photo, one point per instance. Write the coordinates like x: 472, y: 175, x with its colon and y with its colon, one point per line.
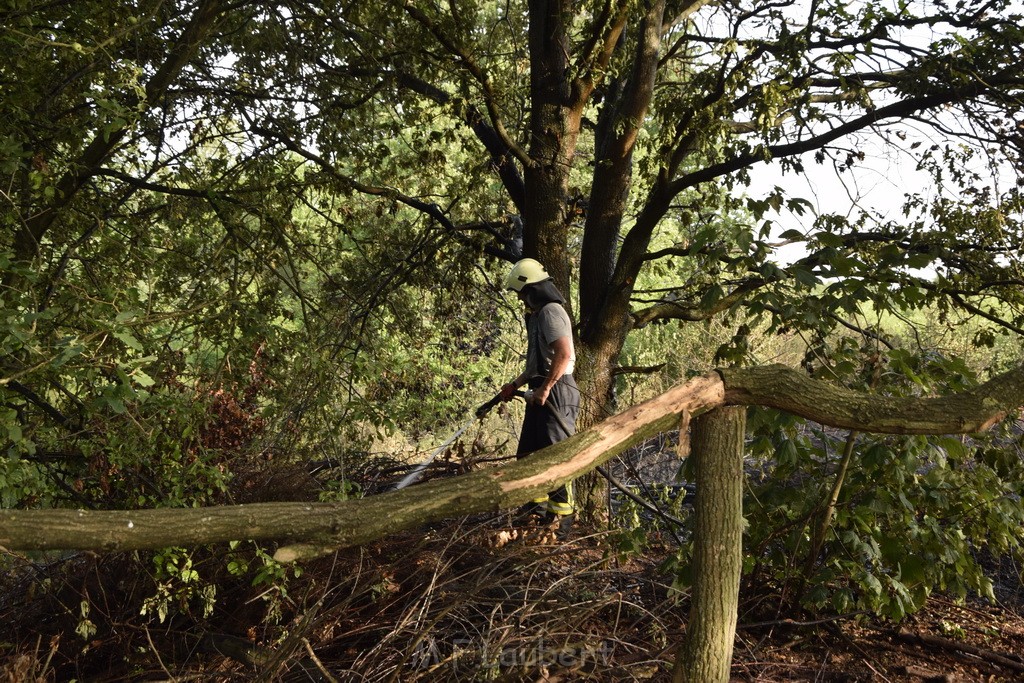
x: 463, y: 601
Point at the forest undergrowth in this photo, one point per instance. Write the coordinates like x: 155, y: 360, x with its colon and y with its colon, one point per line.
x: 461, y: 601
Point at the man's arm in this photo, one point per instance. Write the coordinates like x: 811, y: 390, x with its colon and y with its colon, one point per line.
x: 562, y: 350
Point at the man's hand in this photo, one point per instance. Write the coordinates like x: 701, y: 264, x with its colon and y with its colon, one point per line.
x: 540, y: 395
x: 508, y: 391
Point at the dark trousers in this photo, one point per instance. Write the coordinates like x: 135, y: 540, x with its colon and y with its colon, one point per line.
x: 541, y: 428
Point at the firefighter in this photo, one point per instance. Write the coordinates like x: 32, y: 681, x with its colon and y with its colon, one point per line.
x: 550, y: 359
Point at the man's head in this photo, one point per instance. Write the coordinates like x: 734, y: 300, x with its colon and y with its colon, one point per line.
x: 525, y: 272
x: 532, y: 283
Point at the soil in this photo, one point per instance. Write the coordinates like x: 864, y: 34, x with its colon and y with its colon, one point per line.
x: 469, y: 600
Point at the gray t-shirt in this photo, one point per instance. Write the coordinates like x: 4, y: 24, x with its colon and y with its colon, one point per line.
x: 547, y: 325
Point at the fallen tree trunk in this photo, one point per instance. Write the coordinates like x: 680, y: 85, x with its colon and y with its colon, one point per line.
x: 777, y: 386
x: 1003, y: 660
x: 319, y: 527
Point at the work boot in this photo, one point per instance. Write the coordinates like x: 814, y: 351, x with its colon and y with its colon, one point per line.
x: 562, y: 525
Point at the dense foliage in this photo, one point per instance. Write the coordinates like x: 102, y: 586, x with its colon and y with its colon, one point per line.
x: 245, y: 236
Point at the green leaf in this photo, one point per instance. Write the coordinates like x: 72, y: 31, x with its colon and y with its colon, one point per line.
x: 829, y: 240
x: 711, y: 296
x: 804, y: 276
x: 919, y: 261
x: 128, y: 339
x: 142, y: 379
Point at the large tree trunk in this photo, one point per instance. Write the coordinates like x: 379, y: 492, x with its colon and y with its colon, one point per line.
x: 605, y: 322
x: 717, y: 442
x: 556, y: 105
x: 557, y: 97
x: 594, y: 374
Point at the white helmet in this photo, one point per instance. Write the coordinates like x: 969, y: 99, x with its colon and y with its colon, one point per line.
x: 528, y: 271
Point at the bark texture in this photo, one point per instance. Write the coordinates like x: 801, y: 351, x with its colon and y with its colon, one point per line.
x: 706, y: 655
x: 778, y: 386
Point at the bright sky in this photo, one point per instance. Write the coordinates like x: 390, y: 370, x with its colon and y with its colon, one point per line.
x: 881, y: 182
x: 878, y: 185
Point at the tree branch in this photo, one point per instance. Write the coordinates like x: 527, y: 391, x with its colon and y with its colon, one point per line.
x: 677, y: 310
x: 638, y: 369
x: 34, y: 398
x: 158, y: 188
x: 777, y: 386
x: 976, y: 310
x: 892, y: 111
x: 689, y: 8
x: 598, y: 51
x: 502, y: 156
x: 431, y: 209
x: 102, y: 146
x: 478, y: 74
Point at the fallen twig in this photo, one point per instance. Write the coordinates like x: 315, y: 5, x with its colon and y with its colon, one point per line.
x: 990, y: 656
x: 801, y: 624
